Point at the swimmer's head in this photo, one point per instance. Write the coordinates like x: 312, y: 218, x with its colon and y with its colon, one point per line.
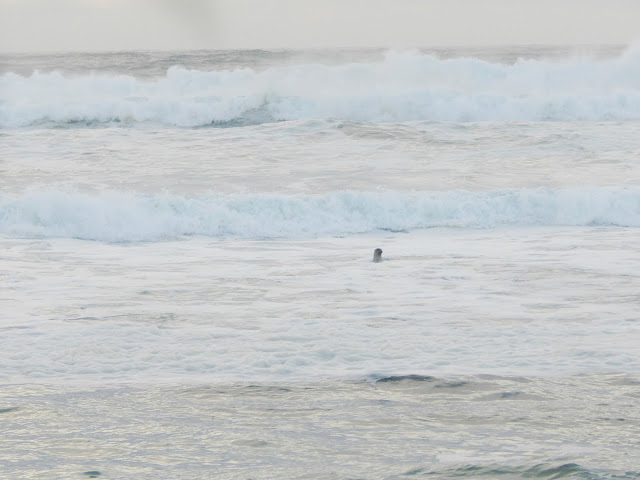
x: 377, y: 255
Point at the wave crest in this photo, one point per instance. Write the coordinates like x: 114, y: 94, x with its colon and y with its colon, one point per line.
x: 403, y: 87
x: 116, y: 216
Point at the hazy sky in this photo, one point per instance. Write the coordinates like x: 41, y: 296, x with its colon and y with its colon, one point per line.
x: 62, y: 25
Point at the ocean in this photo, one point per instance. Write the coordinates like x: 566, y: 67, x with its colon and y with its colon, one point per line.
x: 187, y: 288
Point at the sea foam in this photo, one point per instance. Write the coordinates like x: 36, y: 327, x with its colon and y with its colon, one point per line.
x: 117, y: 216
x: 403, y: 87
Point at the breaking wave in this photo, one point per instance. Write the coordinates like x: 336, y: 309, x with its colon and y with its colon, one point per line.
x: 402, y: 87
x: 117, y: 216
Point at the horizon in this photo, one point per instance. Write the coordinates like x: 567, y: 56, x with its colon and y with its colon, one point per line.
x: 577, y: 49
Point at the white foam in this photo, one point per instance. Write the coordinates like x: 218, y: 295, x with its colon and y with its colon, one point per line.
x: 118, y: 216
x: 509, y: 301
x: 403, y: 87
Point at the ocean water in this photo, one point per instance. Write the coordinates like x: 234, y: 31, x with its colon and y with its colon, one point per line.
x: 186, y: 280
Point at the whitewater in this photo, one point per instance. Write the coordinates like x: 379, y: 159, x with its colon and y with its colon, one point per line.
x: 187, y: 287
x: 401, y: 87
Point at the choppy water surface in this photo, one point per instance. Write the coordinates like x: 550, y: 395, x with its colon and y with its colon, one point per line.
x: 186, y: 281
x: 398, y: 427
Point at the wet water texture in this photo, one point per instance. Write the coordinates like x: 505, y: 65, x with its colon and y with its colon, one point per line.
x: 406, y: 426
x: 187, y: 284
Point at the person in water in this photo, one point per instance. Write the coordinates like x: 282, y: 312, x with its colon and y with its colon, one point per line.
x: 377, y: 255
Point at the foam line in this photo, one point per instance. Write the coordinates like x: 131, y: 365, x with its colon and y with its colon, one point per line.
x: 403, y: 87
x: 118, y: 216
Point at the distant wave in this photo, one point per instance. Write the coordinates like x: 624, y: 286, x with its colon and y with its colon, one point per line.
x: 117, y: 216
x: 402, y: 87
